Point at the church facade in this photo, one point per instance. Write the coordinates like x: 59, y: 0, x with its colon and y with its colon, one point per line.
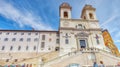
x: 81, y: 37
x: 81, y: 33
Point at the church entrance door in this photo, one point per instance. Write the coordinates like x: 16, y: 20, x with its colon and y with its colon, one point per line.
x: 82, y: 44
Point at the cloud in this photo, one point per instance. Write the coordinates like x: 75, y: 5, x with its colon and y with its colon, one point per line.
x: 109, y: 20
x: 23, y: 18
x: 113, y: 30
x: 117, y: 35
x: 117, y: 41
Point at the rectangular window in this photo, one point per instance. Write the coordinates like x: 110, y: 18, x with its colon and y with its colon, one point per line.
x: 79, y: 26
x: 7, y: 33
x: 57, y: 41
x: 36, y: 33
x: 6, y: 39
x: 43, y: 37
x: 57, y: 34
x: 0, y: 33
x: 22, y: 33
x: 34, y: 47
x: 11, y: 47
x: 3, y: 47
x: 42, y: 44
x: 14, y: 39
x: 21, y: 39
x: 66, y: 41
x: 29, y: 33
x: 36, y: 39
x: 15, y: 33
x: 82, y: 43
x: 27, y: 47
x: 28, y: 39
x: 19, y: 48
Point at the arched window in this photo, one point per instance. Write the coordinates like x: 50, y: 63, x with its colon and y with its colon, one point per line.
x: 65, y: 14
x: 79, y: 26
x: 91, y: 16
x: 84, y: 17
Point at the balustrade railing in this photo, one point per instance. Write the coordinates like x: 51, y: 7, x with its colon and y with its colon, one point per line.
x: 80, y: 51
x: 107, y: 52
x: 100, y: 66
x: 65, y: 55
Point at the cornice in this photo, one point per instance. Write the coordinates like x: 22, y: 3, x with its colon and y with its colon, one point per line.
x: 82, y: 20
x: 70, y: 28
x: 26, y: 31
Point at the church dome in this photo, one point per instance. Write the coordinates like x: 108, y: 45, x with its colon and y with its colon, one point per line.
x: 65, y: 5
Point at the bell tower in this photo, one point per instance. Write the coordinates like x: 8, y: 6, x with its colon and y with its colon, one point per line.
x: 88, y: 13
x: 65, y: 11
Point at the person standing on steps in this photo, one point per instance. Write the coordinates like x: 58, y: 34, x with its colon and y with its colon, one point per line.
x: 101, y: 64
x: 95, y: 64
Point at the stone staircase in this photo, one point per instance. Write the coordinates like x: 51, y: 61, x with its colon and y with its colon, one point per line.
x: 82, y: 57
x: 108, y: 58
x: 47, y: 57
x: 63, y: 57
x: 44, y: 57
x: 14, y: 58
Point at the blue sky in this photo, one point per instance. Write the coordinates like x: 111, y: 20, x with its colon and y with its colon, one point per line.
x: 44, y: 14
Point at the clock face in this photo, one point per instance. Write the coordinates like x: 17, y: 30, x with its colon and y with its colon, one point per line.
x: 66, y: 23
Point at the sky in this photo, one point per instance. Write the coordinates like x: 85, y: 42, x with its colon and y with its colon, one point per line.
x: 44, y: 14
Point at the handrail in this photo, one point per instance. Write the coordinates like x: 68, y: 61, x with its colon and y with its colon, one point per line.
x: 69, y: 54
x: 108, y: 52
x: 99, y: 66
x: 82, y: 50
x: 32, y: 57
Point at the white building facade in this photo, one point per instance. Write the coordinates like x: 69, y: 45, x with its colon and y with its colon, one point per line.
x: 73, y: 35
x: 27, y: 41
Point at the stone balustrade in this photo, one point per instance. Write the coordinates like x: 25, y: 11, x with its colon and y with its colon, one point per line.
x: 74, y: 53
x: 99, y: 66
x: 89, y: 50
